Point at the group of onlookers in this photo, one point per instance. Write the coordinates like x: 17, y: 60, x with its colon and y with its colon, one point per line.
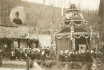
x: 78, y: 56
x: 35, y: 53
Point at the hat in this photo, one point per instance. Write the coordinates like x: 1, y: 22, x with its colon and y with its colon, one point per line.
x: 73, y: 6
x: 17, y: 13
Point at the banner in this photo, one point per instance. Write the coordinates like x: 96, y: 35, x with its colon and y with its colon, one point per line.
x: 18, y: 15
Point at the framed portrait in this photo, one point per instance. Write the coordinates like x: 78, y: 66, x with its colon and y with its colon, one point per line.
x: 82, y: 47
x: 18, y: 15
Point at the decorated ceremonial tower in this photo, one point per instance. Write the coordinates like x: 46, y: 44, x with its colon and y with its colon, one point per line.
x: 74, y: 33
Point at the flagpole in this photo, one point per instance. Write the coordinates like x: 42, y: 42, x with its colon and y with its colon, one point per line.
x: 62, y: 9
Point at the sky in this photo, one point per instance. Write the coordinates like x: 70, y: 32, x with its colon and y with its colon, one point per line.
x: 83, y: 4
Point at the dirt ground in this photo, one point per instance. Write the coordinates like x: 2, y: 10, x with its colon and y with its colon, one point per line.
x: 57, y: 66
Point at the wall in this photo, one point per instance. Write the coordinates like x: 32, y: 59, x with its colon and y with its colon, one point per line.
x: 23, y: 43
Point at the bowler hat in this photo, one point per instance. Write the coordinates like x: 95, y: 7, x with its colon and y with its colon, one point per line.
x: 17, y: 13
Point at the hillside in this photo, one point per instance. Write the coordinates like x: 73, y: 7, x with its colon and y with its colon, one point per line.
x: 40, y: 15
x: 43, y: 16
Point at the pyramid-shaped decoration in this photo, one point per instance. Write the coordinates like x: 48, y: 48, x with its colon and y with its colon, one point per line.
x: 73, y: 16
x: 74, y: 31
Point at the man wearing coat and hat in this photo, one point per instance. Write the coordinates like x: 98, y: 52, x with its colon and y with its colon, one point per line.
x: 17, y: 20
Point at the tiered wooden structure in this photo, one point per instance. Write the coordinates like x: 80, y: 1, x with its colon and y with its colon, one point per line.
x: 74, y: 34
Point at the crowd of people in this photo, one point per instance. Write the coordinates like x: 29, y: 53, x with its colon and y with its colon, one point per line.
x: 47, y: 56
x: 50, y: 53
x: 33, y: 54
x: 79, y: 56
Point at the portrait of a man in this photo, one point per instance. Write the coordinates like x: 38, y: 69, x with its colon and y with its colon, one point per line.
x: 17, y: 20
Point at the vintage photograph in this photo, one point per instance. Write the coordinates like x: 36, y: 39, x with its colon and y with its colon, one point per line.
x: 16, y: 20
x: 51, y: 35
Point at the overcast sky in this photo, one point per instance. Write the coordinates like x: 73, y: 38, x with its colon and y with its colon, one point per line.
x: 86, y: 4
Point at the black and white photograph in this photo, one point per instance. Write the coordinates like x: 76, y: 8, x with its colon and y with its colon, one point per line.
x: 51, y: 35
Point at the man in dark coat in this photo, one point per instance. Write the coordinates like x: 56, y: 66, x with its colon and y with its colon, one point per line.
x: 16, y: 19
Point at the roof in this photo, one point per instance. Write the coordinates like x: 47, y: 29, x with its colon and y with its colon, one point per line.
x: 65, y: 30
x: 77, y: 21
x: 14, y: 32
x: 21, y: 32
x: 76, y: 29
x: 80, y: 30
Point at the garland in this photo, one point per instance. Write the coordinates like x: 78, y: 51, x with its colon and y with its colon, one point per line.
x: 63, y: 36
x: 68, y: 36
x: 60, y: 37
x: 76, y: 36
x: 86, y: 36
x: 79, y: 36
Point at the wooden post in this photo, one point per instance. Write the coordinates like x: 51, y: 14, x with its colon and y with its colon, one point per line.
x: 27, y: 64
x: 0, y: 60
x: 57, y: 57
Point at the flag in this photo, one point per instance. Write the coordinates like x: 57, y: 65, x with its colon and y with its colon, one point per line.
x: 101, y: 9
